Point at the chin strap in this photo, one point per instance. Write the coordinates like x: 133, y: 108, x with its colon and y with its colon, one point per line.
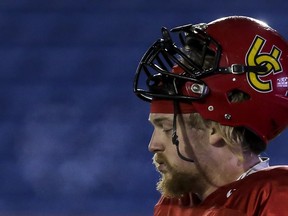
x: 239, y: 69
x: 175, y: 140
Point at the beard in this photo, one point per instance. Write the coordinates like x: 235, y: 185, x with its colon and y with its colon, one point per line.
x: 174, y: 182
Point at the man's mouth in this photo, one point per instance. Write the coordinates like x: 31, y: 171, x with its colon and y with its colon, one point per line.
x: 160, y: 164
x: 162, y: 168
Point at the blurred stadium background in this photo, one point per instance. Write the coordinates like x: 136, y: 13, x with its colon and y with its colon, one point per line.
x: 73, y: 136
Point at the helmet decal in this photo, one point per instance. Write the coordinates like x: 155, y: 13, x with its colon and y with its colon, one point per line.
x: 283, y: 82
x: 256, y: 56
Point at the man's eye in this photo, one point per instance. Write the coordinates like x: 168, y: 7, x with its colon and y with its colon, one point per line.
x: 167, y: 130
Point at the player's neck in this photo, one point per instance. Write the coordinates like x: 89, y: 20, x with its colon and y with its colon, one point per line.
x: 231, y: 171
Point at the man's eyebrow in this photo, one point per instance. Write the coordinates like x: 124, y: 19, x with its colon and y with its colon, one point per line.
x: 159, y: 120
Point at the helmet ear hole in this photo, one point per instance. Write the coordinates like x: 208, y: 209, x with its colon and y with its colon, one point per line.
x: 254, y: 142
x: 237, y: 96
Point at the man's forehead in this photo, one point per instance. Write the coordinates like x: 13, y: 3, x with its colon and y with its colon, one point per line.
x: 160, y: 117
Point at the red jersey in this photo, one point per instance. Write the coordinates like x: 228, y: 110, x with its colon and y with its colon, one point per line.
x: 263, y: 193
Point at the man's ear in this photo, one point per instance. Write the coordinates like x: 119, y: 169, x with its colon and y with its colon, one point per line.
x: 212, y: 130
x: 215, y: 138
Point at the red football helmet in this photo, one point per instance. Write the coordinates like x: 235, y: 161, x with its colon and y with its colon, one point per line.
x: 208, y: 63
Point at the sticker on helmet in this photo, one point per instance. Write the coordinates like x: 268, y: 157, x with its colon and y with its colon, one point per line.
x: 256, y: 56
x: 282, y: 82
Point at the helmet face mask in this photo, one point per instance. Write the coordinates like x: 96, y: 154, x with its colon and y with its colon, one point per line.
x: 207, y: 63
x: 196, y: 56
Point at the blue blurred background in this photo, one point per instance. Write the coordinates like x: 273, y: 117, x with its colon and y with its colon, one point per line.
x: 73, y: 136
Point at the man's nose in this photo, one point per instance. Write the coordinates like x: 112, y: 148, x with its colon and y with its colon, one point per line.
x: 155, y: 144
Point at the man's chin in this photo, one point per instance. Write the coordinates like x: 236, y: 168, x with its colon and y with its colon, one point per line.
x: 175, y: 184
x: 166, y: 186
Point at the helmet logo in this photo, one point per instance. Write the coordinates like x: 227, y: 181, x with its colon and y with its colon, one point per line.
x: 255, y: 56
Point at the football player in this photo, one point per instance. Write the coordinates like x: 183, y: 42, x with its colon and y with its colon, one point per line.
x: 218, y: 94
